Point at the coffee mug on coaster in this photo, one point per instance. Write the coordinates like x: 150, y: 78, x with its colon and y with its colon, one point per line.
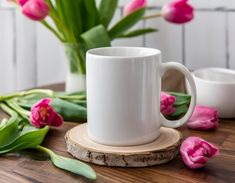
x: 123, y: 95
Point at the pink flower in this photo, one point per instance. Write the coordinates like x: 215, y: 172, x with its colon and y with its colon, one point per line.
x: 196, y: 151
x: 43, y: 114
x: 203, y: 118
x: 133, y: 6
x: 22, y: 2
x: 167, y: 102
x: 178, y: 11
x: 35, y: 9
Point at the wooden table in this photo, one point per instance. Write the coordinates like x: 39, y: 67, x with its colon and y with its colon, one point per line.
x: 17, y: 169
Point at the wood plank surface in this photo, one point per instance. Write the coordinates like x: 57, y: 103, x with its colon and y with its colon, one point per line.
x: 23, y: 169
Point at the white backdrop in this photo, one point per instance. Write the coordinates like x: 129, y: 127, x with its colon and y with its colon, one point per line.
x: 31, y: 56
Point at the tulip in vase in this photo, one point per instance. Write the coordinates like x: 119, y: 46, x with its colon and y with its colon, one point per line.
x: 84, y: 24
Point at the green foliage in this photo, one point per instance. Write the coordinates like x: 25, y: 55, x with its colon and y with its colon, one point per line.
x: 181, y: 104
x: 107, y: 9
x: 137, y: 32
x: 69, y: 111
x: 29, y: 137
x: 9, y: 128
x: 95, y: 37
x: 126, y: 23
x: 72, y: 107
x: 90, y: 14
x: 16, y: 133
x: 71, y: 165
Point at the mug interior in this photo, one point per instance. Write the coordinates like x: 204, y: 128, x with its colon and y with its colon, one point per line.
x: 123, y: 52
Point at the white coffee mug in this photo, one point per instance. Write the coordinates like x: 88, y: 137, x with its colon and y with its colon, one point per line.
x: 123, y: 95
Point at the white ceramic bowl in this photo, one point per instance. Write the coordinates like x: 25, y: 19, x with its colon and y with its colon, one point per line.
x: 216, y: 88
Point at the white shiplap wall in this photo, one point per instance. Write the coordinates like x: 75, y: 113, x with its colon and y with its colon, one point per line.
x: 31, y: 56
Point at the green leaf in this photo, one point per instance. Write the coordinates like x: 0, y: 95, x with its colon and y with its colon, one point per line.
x: 126, y: 23
x: 181, y: 98
x: 95, y: 37
x: 70, y: 14
x: 30, y: 137
x: 179, y: 110
x: 137, y: 32
x: 28, y: 101
x: 9, y: 128
x: 107, y: 9
x: 90, y: 14
x: 79, y: 102
x: 69, y: 111
x: 68, y: 164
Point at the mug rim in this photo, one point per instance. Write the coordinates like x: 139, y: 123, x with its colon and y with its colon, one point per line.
x: 96, y: 52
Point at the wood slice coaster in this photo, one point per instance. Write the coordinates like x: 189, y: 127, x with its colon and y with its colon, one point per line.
x: 162, y: 150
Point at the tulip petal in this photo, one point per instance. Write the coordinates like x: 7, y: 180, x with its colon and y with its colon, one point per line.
x: 43, y: 114
x: 195, y: 152
x: 167, y: 102
x: 178, y: 12
x: 203, y: 118
x: 133, y: 6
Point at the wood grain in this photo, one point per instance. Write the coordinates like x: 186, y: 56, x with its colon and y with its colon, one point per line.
x: 15, y: 168
x: 162, y: 150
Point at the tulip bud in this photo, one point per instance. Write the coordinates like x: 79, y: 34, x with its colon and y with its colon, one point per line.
x: 195, y: 152
x: 178, y: 11
x: 167, y: 102
x: 43, y: 114
x: 203, y: 118
x: 35, y: 9
x: 133, y: 6
x: 22, y: 2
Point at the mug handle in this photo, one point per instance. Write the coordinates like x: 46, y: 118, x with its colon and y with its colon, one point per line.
x: 176, y: 123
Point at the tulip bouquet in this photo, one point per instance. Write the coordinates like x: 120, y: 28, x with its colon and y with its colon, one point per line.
x: 82, y: 24
x: 28, y: 124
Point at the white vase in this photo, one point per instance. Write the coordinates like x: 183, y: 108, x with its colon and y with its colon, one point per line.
x: 75, y: 82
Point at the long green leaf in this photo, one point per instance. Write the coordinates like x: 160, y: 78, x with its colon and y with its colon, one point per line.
x: 126, y: 23
x: 68, y: 164
x: 137, y: 32
x: 69, y: 111
x: 90, y: 14
x: 30, y: 137
x: 70, y: 14
x: 95, y: 37
x: 181, y: 98
x: 107, y: 9
x: 9, y: 128
x: 179, y: 110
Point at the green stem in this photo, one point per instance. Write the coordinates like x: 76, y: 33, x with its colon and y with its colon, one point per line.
x: 8, y: 110
x: 75, y: 57
x: 23, y: 113
x: 50, y: 93
x: 77, y: 97
x: 52, y: 30
x: 45, y: 150
x: 63, y: 28
x: 152, y: 16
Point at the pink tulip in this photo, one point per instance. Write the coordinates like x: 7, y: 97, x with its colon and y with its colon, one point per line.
x: 195, y: 152
x: 133, y: 6
x: 35, y: 9
x: 167, y: 102
x: 22, y: 2
x: 43, y: 114
x: 178, y: 11
x: 203, y: 118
